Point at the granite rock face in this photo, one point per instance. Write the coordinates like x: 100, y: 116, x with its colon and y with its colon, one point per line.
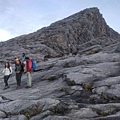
x: 68, y: 87
x: 77, y: 76
x: 83, y: 31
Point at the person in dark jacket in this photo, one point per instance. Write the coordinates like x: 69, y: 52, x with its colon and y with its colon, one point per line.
x: 18, y: 70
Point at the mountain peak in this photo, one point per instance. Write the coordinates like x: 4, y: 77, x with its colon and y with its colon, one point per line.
x: 70, y: 35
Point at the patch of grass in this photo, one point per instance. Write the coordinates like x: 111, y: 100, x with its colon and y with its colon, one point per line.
x: 104, y: 97
x: 31, y: 111
x: 63, y: 89
x: 66, y: 90
x: 88, y: 86
x: 70, y: 82
x: 107, y: 111
x: 92, y: 52
x: 52, y: 77
x: 60, y: 108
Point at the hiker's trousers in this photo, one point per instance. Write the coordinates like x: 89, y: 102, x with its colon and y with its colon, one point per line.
x: 29, y: 79
x: 18, y: 78
x: 6, y: 77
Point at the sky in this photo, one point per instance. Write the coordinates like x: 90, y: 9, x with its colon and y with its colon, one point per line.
x: 19, y: 17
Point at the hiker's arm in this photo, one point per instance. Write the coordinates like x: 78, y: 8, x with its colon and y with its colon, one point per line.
x: 3, y: 71
x: 11, y: 70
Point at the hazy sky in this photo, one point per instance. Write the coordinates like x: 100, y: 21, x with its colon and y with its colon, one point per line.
x: 18, y: 17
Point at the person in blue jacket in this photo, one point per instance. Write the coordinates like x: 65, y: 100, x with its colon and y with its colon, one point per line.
x: 23, y: 57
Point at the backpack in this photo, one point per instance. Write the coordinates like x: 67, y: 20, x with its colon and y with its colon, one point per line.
x: 34, y: 65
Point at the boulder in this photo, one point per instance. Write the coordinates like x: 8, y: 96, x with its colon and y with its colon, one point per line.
x: 79, y: 78
x: 17, y: 117
x: 83, y: 113
x: 2, y: 115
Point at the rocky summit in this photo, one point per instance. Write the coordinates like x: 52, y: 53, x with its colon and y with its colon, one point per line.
x: 77, y: 76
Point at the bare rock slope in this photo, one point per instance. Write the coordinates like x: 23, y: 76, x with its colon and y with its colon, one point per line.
x: 73, y: 34
x: 83, y: 86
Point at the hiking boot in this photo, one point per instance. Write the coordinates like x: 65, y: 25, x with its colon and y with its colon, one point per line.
x: 6, y: 87
x: 28, y: 86
x: 18, y: 87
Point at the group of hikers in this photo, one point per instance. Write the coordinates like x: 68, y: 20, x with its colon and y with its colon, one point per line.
x: 23, y: 65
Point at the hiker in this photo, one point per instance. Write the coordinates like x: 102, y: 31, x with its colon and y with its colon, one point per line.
x: 29, y: 71
x: 7, y: 72
x: 45, y: 58
x: 23, y: 57
x: 19, y: 71
x: 23, y: 60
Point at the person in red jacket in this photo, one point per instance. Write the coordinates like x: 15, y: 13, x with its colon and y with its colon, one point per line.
x: 29, y: 71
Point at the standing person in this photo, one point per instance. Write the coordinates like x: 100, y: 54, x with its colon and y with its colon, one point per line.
x: 18, y: 70
x: 23, y: 60
x: 23, y: 57
x: 7, y: 72
x: 29, y: 71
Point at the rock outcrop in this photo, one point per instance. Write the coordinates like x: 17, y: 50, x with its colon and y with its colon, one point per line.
x: 81, y: 86
x: 82, y: 31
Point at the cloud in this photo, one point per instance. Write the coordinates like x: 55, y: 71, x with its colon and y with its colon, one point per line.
x: 5, y: 35
x: 18, y: 17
